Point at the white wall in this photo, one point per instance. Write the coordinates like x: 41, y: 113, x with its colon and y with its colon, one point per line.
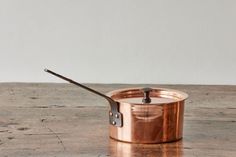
x: 123, y: 41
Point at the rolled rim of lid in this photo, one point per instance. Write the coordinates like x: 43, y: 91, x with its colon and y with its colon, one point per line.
x: 120, y: 94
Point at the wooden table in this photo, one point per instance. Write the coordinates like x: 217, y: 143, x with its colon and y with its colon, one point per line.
x: 61, y: 120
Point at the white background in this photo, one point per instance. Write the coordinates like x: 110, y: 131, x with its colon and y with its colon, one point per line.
x: 123, y: 41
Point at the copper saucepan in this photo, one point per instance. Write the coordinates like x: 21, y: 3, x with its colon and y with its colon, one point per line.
x: 143, y: 115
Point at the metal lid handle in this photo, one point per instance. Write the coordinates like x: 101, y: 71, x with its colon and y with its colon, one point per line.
x: 146, y: 95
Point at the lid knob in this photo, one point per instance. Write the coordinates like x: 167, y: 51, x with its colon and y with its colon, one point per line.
x: 146, y: 95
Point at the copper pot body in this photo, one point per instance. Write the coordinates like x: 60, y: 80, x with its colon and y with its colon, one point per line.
x: 149, y: 123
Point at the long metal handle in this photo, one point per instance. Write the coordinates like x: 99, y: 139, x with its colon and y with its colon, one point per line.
x: 115, y: 115
x: 80, y: 85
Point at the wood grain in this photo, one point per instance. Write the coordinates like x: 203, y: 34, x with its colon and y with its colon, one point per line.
x: 63, y: 120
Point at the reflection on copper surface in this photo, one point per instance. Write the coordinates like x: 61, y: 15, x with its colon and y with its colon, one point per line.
x: 123, y: 149
x: 149, y: 123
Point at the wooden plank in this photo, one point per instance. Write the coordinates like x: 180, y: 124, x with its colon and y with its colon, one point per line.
x: 63, y: 120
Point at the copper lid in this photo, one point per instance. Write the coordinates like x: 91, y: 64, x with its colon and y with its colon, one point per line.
x: 140, y: 96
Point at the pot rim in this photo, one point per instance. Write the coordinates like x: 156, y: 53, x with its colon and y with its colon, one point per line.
x: 176, y: 95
